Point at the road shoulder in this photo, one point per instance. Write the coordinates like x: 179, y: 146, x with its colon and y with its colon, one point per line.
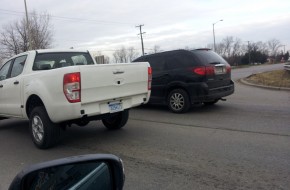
x: 243, y: 81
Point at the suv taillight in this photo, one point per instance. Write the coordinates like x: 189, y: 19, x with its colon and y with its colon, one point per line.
x: 228, y: 67
x: 203, y: 71
x: 72, y: 87
x: 149, y: 77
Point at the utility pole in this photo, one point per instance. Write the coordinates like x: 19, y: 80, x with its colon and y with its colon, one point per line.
x: 249, y: 52
x: 27, y: 28
x: 284, y: 49
x: 140, y: 26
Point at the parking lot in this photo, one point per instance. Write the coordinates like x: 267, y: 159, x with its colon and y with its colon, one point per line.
x: 242, y: 143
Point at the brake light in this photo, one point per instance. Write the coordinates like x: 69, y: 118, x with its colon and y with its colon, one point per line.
x: 204, y: 71
x: 228, y: 68
x: 199, y: 71
x: 149, y: 77
x: 72, y: 87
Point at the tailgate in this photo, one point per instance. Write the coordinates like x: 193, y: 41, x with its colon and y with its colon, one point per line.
x: 220, y: 78
x: 107, y: 82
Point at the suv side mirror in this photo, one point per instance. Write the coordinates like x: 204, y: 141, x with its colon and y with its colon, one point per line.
x: 93, y: 171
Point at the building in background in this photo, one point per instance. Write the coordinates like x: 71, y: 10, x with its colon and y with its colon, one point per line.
x: 100, y: 59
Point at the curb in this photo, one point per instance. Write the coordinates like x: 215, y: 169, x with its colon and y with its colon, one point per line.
x: 243, y: 81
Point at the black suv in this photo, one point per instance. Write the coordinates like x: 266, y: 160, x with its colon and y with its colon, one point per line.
x: 182, y: 78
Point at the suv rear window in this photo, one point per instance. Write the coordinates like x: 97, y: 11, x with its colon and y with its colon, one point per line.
x: 47, y: 61
x: 171, y: 60
x: 208, y: 57
x: 180, y: 60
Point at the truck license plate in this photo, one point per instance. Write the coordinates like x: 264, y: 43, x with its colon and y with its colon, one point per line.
x: 115, y: 107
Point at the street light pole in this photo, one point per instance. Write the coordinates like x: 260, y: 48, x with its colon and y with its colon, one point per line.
x: 214, y: 47
x: 249, y: 52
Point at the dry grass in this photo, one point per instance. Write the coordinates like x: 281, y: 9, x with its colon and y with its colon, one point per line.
x: 279, y: 78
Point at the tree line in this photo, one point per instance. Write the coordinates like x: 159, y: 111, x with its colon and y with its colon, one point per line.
x: 18, y: 37
x: 238, y: 52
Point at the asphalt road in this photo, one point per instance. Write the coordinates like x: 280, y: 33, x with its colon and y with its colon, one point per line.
x: 244, y: 72
x: 242, y: 143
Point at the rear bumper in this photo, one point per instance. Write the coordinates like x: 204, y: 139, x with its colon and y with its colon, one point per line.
x: 73, y: 111
x: 203, y: 94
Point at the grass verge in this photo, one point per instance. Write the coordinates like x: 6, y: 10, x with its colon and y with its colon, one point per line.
x: 278, y: 78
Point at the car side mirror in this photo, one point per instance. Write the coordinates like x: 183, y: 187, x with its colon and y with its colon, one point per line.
x: 93, y: 171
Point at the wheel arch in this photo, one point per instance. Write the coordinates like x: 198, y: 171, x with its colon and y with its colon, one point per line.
x: 32, y: 102
x: 177, y: 86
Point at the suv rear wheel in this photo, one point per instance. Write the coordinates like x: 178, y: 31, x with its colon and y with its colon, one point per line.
x: 178, y: 101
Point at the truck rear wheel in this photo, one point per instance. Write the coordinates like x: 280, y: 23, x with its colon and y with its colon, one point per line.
x: 117, y: 121
x: 44, y: 132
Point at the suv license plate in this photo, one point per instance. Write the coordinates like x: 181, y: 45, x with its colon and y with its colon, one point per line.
x: 115, y: 107
x: 220, y: 70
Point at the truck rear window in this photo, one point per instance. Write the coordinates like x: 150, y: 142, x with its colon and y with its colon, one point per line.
x: 47, y: 61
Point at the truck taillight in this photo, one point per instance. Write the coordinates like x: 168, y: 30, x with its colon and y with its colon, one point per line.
x: 72, y: 87
x: 149, y: 78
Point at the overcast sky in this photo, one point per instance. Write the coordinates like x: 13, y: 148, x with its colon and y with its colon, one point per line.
x: 106, y: 25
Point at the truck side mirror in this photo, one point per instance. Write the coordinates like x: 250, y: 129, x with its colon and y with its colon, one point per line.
x: 93, y: 171
x: 2, y: 77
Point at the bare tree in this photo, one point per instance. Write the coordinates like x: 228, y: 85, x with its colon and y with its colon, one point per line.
x: 237, y: 48
x: 156, y: 49
x: 107, y: 59
x: 274, y: 45
x: 116, y: 57
x: 124, y: 55
x: 120, y: 55
x: 228, y: 43
x: 209, y: 46
x: 132, y: 54
x: 186, y: 48
x: 14, y: 37
x: 220, y: 49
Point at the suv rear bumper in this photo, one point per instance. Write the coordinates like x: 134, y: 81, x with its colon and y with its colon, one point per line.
x: 203, y: 94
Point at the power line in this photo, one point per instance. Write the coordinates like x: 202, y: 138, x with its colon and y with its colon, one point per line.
x: 11, y: 12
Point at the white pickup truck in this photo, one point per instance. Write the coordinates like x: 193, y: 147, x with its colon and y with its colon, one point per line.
x: 54, y: 89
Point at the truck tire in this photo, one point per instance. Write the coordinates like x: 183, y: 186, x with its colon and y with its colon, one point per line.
x: 44, y: 132
x: 117, y: 121
x: 178, y: 101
